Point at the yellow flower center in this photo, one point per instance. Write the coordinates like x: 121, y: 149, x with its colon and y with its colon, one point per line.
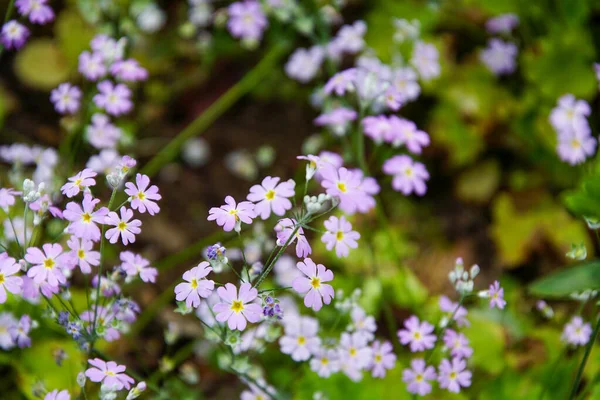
x: 49, y: 263
x: 575, y: 144
x: 301, y: 340
x: 339, y: 235
x: 81, y: 253
x: 141, y: 196
x: 1, y: 279
x: 86, y: 217
x: 122, y: 225
x: 237, y: 306
x: 194, y: 283
x: 324, y: 361
x: 315, y: 282
x: 78, y: 182
x: 110, y: 373
x: 352, y: 351
x: 270, y: 195
x: 408, y: 172
x: 452, y: 375
x: 417, y: 335
x: 419, y: 378
x: 378, y: 358
x: 342, y: 187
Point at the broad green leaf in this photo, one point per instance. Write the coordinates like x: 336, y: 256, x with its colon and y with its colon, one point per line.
x: 568, y: 280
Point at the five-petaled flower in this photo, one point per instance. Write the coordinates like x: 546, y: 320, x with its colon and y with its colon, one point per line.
x: 79, y: 182
x: 109, y: 373
x: 83, y: 218
x: 418, y: 334
x: 195, y: 285
x: 237, y: 308
x: 47, y: 265
x: 313, y: 284
x: 231, y: 215
x: 271, y: 195
x: 453, y: 375
x: 340, y: 235
x: 143, y: 197
x: 124, y: 226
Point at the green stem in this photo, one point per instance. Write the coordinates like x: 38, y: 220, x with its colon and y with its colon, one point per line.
x: 212, y: 113
x: 268, y: 269
x: 441, y: 335
x: 588, y: 350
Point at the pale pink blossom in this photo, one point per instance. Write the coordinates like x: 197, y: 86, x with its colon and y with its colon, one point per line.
x: 83, y: 218
x: 313, y: 284
x: 195, y: 285
x: 272, y: 196
x: 231, y: 215
x: 109, y: 373
x: 237, y: 308
x: 143, y: 198
x: 124, y: 226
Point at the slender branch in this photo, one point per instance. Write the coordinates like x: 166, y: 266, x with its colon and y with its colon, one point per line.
x: 268, y: 269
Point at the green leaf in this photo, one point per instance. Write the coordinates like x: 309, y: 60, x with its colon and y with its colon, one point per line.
x: 567, y: 281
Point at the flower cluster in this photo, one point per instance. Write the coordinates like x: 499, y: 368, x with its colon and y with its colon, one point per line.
x: 500, y: 56
x: 13, y: 33
x: 573, y: 132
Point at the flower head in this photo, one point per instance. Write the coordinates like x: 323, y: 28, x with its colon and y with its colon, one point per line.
x: 82, y: 254
x: 83, y: 218
x: 8, y: 268
x: 237, y: 308
x: 577, y: 332
x: 109, y: 373
x: 409, y: 176
x: 57, y: 395
x: 453, y: 375
x: 83, y: 180
x: 115, y: 99
x: 383, y: 358
x: 47, y: 265
x: 231, y: 215
x: 458, y: 344
x: 271, y: 196
x: 570, y: 113
x: 285, y: 228
x: 340, y: 235
x: 124, y: 226
x: 300, y: 339
x: 129, y: 71
x: 91, y: 65
x: 338, y: 119
x: 134, y: 264
x: 246, y: 20
x: 304, y: 64
x: 325, y: 362
x: 195, y: 285
x: 499, y: 56
x: 418, y: 334
x: 37, y: 10
x: 143, y: 197
x: 425, y: 59
x: 418, y: 377
x: 102, y: 134
x: 503, y: 23
x: 20, y: 332
x: 13, y: 35
x: 313, y: 284
x: 496, y: 294
x: 354, y: 349
x: 66, y: 98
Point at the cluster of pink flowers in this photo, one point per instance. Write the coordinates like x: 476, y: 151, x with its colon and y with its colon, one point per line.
x: 500, y: 56
x: 573, y: 132
x: 14, y: 34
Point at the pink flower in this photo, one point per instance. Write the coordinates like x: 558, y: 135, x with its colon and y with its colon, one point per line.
x: 142, y: 196
x: 355, y: 350
x: 7, y: 198
x: 325, y: 362
x: 418, y: 377
x: 454, y: 375
x: 66, y: 98
x: 37, y: 10
x: 271, y: 196
x: 246, y: 20
x: 102, y: 134
x: 56, y: 395
x: 237, y: 309
x: 450, y: 308
x: 123, y: 226
x: 341, y: 82
x: 301, y: 338
x: 418, y: 334
x: 134, y: 264
x: 340, y: 234
x: 362, y: 323
x: 129, y: 71
x: 284, y: 229
x: 82, y: 254
x: 230, y: 215
x: 497, y: 296
x: 83, y: 220
x: 195, y: 286
x: 47, y: 265
x: 20, y: 332
x: 317, y: 292
x: 91, y: 65
x: 13, y: 35
x: 109, y: 373
x: 577, y: 332
x: 115, y: 99
x: 79, y: 182
x: 383, y: 358
x: 406, y: 133
x: 409, y: 176
x: 348, y: 187
x: 13, y: 284
x: 458, y: 344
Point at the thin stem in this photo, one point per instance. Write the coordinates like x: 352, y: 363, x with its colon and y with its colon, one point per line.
x: 268, y: 269
x: 9, y: 10
x: 588, y: 350
x: 263, y: 69
x: 441, y: 335
x: 25, y: 224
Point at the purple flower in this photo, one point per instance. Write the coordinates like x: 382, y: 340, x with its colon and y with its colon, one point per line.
x: 7, y: 198
x: 450, y: 308
x: 340, y: 235
x: 404, y: 81
x: 115, y: 99
x: 104, y: 162
x: 407, y: 134
x: 499, y: 56
x: 37, y: 10
x: 8, y: 268
x: 124, y: 226
x: 143, y: 197
x: 312, y: 284
x: 83, y: 218
x: 504, y: 23
x: 383, y: 358
x: 66, y: 98
x: 362, y: 323
x: 458, y: 344
x: 83, y: 180
x: 82, y: 254
x: 271, y: 308
x: 195, y: 286
x: 418, y: 377
x: 300, y: 339
x: 13, y: 35
x: 576, y: 145
x: 341, y: 82
x: 271, y: 195
x: 570, y: 113
x: 246, y: 20
x: 56, y: 395
x: 134, y: 264
x: 576, y: 332
x: 20, y: 332
x: 7, y: 322
x: 496, y: 296
x: 284, y: 229
x: 379, y: 127
x: 453, y: 375
x: 349, y: 40
x: 409, y: 176
x: 325, y: 362
x: 304, y: 64
x: 47, y: 265
x: 425, y: 59
x: 236, y: 309
x: 231, y: 215
x: 91, y: 65
x: 418, y: 334
x: 101, y: 133
x: 337, y: 119
x: 129, y: 71
x: 355, y: 350
x: 109, y: 373
x: 349, y: 187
